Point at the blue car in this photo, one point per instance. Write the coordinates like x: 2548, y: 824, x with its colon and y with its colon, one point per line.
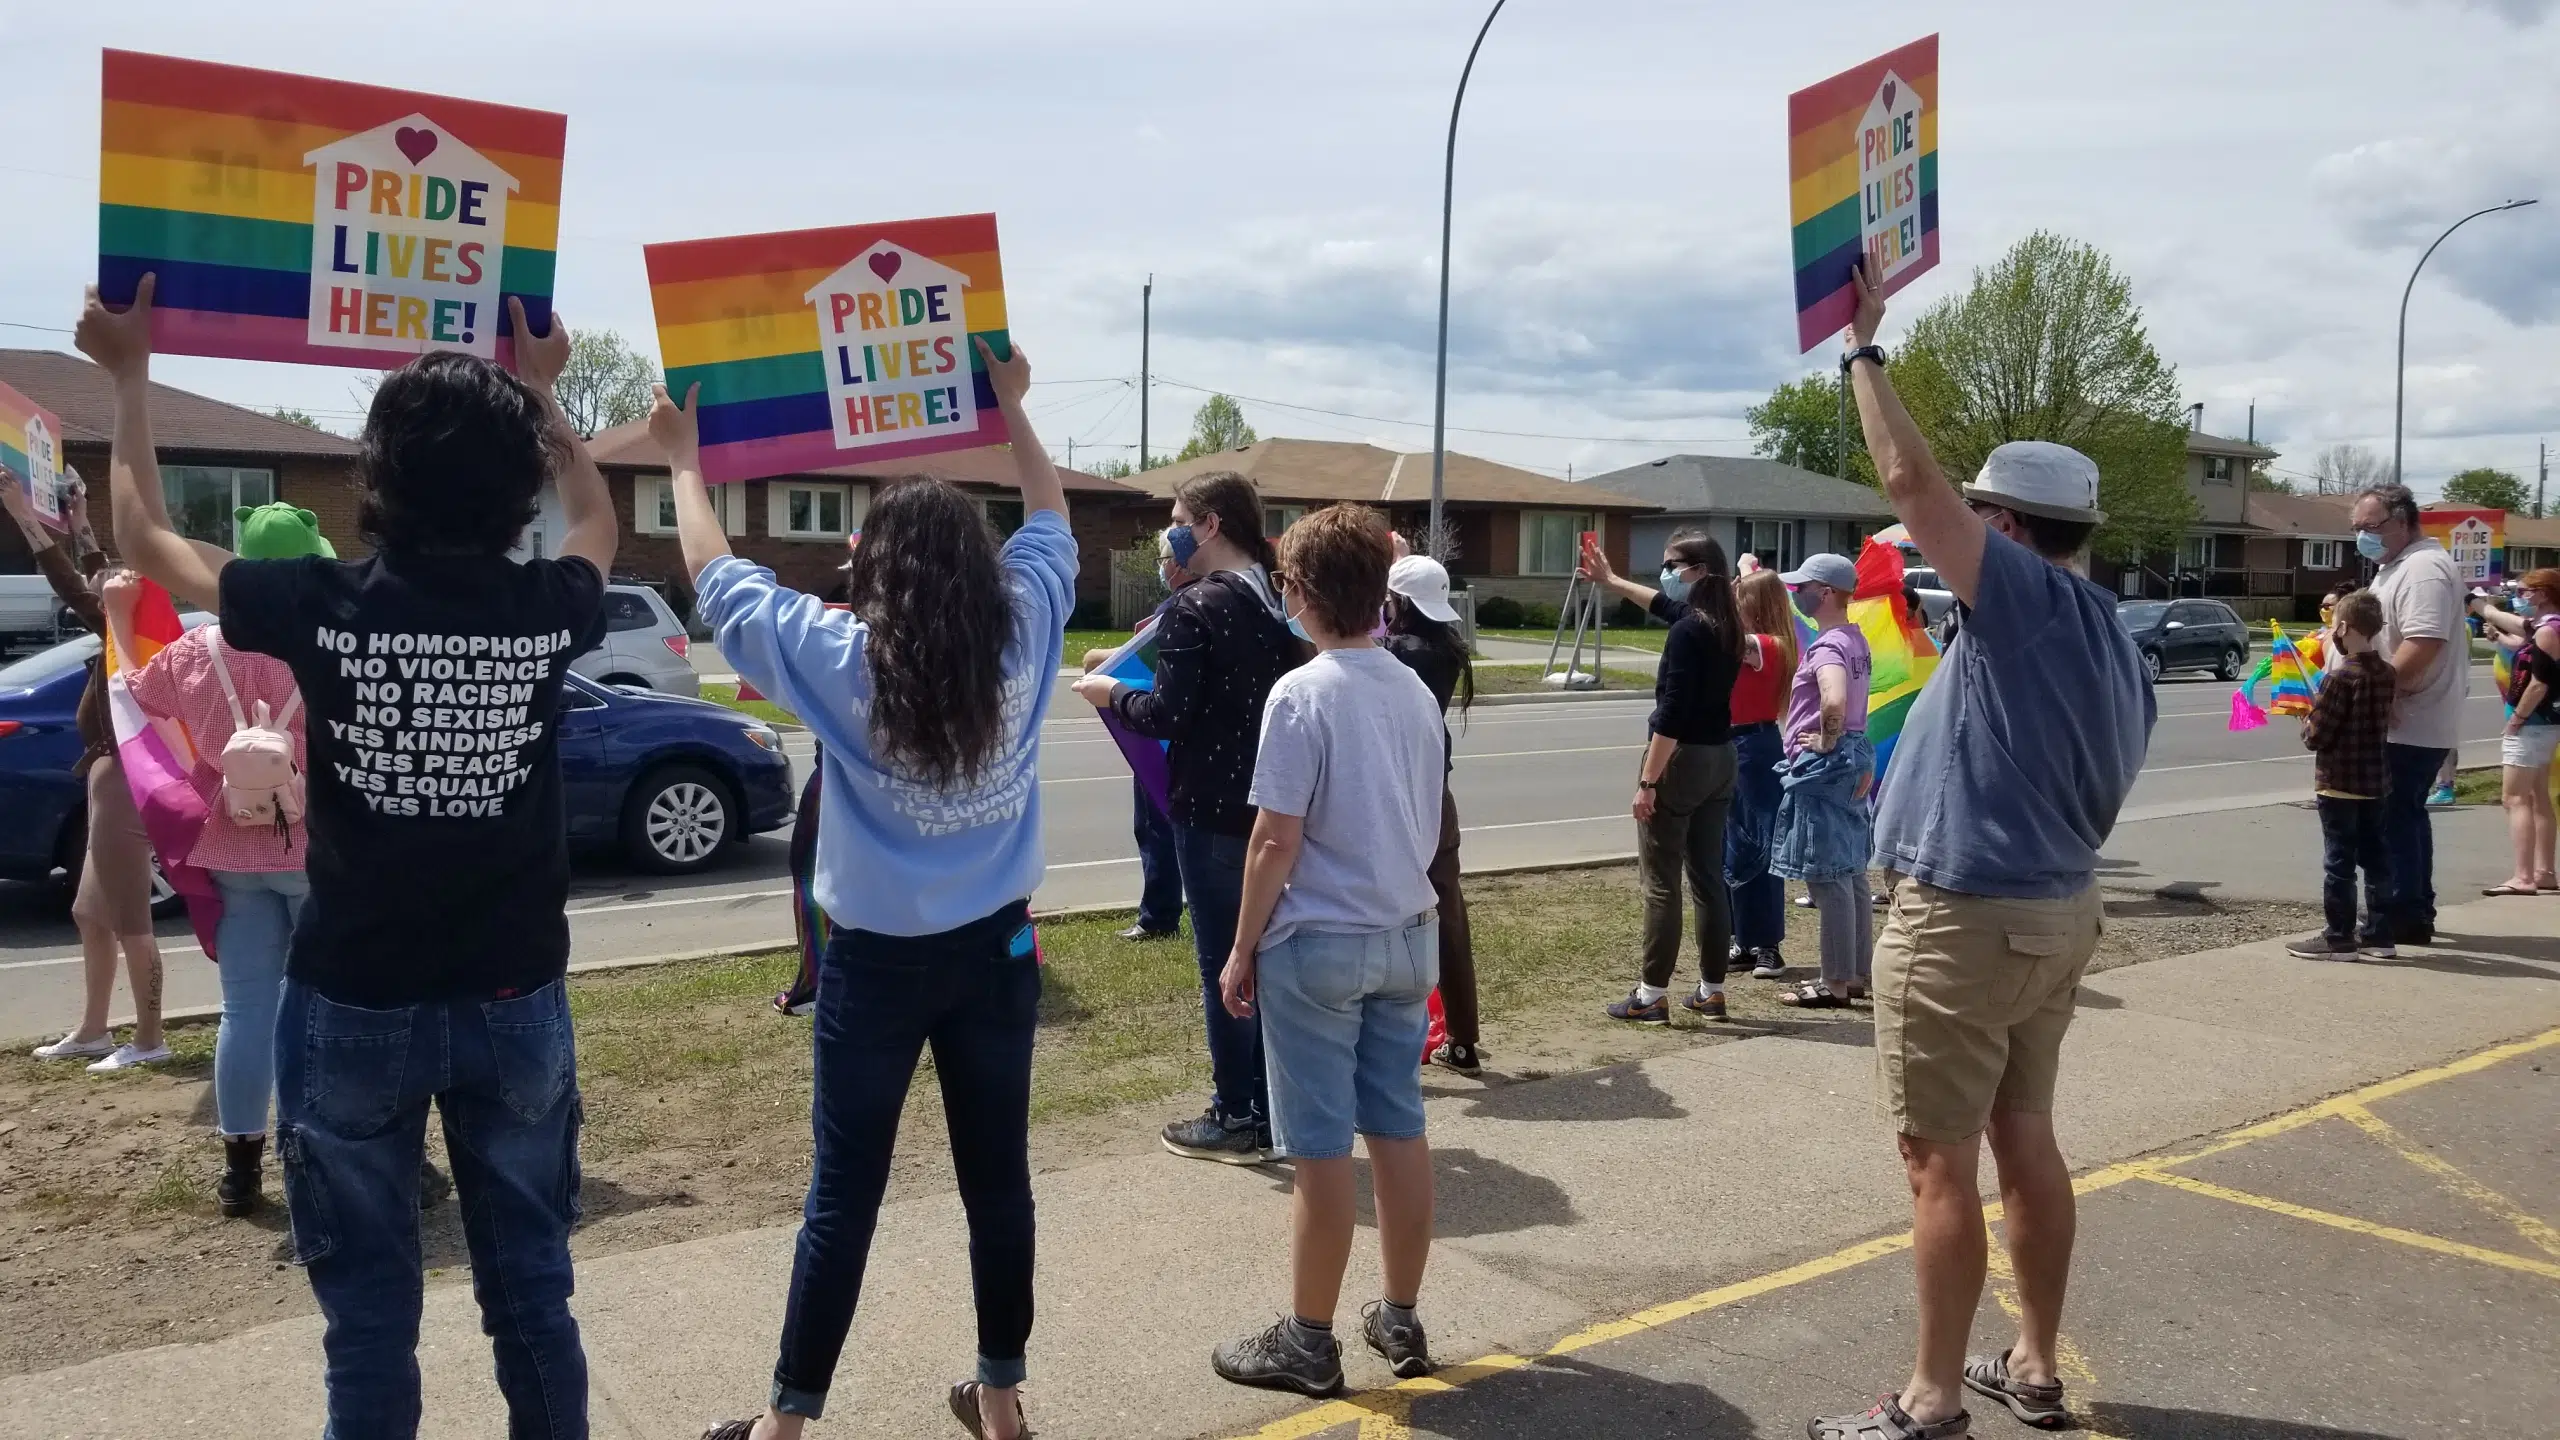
x: 665, y: 780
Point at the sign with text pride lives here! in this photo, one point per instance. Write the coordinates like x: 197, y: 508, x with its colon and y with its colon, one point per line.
x: 821, y: 348
x: 292, y: 218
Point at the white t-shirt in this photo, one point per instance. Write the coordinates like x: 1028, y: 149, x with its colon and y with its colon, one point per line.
x: 2421, y: 595
x: 1352, y: 742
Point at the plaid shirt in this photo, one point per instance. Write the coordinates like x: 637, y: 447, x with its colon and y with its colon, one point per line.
x: 2347, y: 727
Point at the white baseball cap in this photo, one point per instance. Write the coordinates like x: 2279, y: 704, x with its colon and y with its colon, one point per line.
x: 2038, y: 477
x: 1835, y: 571
x: 1425, y: 582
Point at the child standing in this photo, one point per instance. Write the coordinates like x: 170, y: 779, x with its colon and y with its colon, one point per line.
x: 2345, y: 730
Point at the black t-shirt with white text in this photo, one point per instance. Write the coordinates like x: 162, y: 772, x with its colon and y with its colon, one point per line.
x: 431, y: 685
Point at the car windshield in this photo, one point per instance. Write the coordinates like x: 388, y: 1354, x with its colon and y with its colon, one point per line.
x: 2140, y: 614
x: 48, y: 663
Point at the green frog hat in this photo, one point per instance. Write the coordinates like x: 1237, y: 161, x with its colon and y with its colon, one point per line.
x: 280, y: 532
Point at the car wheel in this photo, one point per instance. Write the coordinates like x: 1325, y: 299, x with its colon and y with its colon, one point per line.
x: 2151, y: 664
x: 2228, y: 668
x: 677, y: 819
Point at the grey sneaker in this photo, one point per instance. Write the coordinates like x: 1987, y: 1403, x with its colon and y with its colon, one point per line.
x: 1286, y: 1356
x: 1396, y: 1334
x: 1213, y: 1136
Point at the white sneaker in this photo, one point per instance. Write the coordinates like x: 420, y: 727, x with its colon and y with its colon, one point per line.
x: 127, y: 1057
x: 72, y: 1047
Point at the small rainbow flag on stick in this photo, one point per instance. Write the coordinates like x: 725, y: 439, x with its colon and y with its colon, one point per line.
x: 322, y: 222
x: 2292, y: 671
x: 819, y: 348
x: 1862, y: 162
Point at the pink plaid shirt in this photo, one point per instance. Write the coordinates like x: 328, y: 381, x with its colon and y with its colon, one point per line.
x: 179, y: 684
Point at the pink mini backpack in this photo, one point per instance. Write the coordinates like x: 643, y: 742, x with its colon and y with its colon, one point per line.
x: 260, y: 783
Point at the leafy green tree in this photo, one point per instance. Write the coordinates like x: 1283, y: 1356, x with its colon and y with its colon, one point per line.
x: 2267, y: 482
x: 1119, y: 468
x: 1799, y: 425
x: 291, y: 416
x: 2047, y: 344
x: 2489, y: 490
x: 606, y: 381
x: 1217, y: 425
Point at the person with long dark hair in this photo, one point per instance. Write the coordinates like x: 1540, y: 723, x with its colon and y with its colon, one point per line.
x: 1221, y: 645
x: 1422, y: 631
x: 1685, y: 783
x: 928, y: 697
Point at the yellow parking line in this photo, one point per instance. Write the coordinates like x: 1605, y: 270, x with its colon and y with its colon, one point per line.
x: 2411, y: 1238
x: 1392, y: 1405
x: 2542, y: 1235
x: 2067, y: 1359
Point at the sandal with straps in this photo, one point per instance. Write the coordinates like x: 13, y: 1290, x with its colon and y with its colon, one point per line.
x: 2038, y: 1405
x: 1813, y: 995
x: 1888, y: 1421
x: 964, y: 1408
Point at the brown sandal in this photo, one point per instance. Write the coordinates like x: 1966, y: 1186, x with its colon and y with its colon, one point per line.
x: 1813, y: 995
x: 964, y: 1408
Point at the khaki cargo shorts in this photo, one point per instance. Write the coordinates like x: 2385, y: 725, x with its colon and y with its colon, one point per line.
x: 1972, y: 995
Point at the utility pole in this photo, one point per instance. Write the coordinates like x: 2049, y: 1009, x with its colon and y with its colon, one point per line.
x: 2400, y: 365
x: 1436, y: 543
x: 2542, y: 478
x: 1146, y: 335
x: 1071, y: 452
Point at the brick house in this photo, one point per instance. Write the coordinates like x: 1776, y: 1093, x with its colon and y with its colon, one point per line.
x: 214, y: 457
x: 796, y: 524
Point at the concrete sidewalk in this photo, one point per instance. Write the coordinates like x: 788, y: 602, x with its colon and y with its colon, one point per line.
x: 1563, y: 1203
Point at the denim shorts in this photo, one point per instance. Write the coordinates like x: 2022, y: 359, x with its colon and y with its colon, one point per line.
x: 1343, y: 1019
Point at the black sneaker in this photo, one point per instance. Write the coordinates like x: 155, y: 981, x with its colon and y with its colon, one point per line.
x: 1213, y: 1136
x: 2321, y: 947
x: 1767, y: 964
x: 1467, y: 1060
x: 1396, y: 1334
x: 1637, y: 1012
x: 1281, y: 1358
x: 2413, y: 934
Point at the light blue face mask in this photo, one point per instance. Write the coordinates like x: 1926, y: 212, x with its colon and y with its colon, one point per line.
x: 2369, y: 545
x: 1295, y: 628
x: 1674, y: 586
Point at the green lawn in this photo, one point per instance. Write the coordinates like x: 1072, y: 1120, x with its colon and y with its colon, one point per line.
x: 1527, y: 679
x: 764, y: 710
x: 1647, y: 638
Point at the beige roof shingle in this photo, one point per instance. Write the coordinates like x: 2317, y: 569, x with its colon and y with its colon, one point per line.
x: 629, y: 446
x: 85, y: 400
x: 1324, y: 471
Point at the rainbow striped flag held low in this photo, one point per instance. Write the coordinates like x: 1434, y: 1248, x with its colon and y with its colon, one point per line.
x: 1862, y: 166
x: 159, y: 760
x: 31, y: 454
x: 820, y: 348
x: 1134, y: 665
x: 1898, y: 646
x: 2291, y: 671
x: 319, y: 221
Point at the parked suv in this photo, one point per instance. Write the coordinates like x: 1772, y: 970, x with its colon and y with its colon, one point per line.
x: 644, y: 645
x: 2186, y: 635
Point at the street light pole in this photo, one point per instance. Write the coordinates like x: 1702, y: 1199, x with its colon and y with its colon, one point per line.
x: 1438, y: 539
x: 2400, y: 383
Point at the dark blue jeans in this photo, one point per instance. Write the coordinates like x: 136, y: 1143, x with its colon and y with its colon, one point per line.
x: 2351, y: 840
x: 352, y: 1087
x: 2409, y: 838
x: 1213, y: 883
x: 1750, y: 829
x: 1160, y: 903
x: 973, y: 994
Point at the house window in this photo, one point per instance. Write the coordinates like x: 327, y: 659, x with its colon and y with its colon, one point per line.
x: 1004, y: 515
x: 202, y: 497
x: 2218, y: 469
x: 811, y: 512
x: 1551, y: 540
x: 1778, y: 543
x: 2195, y: 552
x: 2324, y: 554
x: 653, y: 507
x: 1277, y: 518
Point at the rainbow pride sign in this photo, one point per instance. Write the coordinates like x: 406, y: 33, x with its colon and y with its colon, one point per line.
x: 819, y: 348
x: 1862, y: 162
x: 322, y: 222
x: 31, y: 454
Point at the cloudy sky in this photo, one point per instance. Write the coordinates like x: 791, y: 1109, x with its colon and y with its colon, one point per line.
x: 2266, y: 172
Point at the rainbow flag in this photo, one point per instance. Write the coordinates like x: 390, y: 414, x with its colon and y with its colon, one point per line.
x: 319, y: 221
x: 820, y: 348
x: 1862, y: 167
x: 2292, y: 671
x: 1134, y: 665
x: 31, y: 454
x: 1900, y: 651
x: 159, y: 763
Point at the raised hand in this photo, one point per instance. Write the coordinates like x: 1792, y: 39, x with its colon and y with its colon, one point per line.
x: 119, y: 340
x: 539, y: 358
x: 1011, y: 377
x: 1870, y: 317
x: 677, y: 428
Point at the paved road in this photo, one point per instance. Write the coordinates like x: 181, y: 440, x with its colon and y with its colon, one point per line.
x: 1535, y: 783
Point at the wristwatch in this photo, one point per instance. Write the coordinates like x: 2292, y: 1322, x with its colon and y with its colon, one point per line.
x: 1863, y: 352
x: 1648, y: 784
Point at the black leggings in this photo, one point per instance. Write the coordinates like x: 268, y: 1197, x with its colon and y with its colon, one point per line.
x: 973, y: 994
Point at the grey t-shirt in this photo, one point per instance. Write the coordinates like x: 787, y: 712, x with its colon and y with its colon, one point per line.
x: 1349, y: 742
x: 2015, y: 759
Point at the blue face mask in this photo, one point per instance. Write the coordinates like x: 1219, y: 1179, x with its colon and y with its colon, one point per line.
x: 2369, y: 545
x: 1184, y: 543
x: 1674, y: 586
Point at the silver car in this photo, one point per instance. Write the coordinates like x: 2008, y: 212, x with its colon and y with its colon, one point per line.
x: 644, y: 645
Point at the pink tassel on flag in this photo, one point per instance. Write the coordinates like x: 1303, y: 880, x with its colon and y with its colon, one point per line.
x: 2244, y: 715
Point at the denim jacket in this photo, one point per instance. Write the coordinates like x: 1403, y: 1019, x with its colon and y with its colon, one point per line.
x: 1823, y: 822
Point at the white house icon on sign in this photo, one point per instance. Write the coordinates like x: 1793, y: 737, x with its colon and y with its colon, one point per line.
x: 408, y: 239
x: 1889, y: 178
x: 893, y: 331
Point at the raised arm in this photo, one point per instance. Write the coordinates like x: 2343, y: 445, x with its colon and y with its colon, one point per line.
x: 52, y: 560
x: 586, y: 506
x: 1594, y: 567
x: 121, y: 344
x: 1949, y: 534
x: 679, y: 436
x: 1037, y: 478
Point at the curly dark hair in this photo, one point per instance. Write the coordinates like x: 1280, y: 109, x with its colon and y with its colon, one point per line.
x: 926, y: 580
x: 456, y: 451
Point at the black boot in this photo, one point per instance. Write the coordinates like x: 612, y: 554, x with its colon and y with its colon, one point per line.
x: 238, y: 1191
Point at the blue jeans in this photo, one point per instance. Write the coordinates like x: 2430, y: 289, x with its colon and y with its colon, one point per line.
x: 2409, y: 837
x: 1759, y: 898
x: 352, y: 1087
x: 259, y: 910
x: 973, y: 994
x: 1343, y: 1018
x: 1825, y: 831
x: 1160, y: 903
x: 1213, y: 883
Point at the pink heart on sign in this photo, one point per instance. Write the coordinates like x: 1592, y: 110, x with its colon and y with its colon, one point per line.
x: 885, y: 265
x: 1888, y: 95
x: 415, y: 142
